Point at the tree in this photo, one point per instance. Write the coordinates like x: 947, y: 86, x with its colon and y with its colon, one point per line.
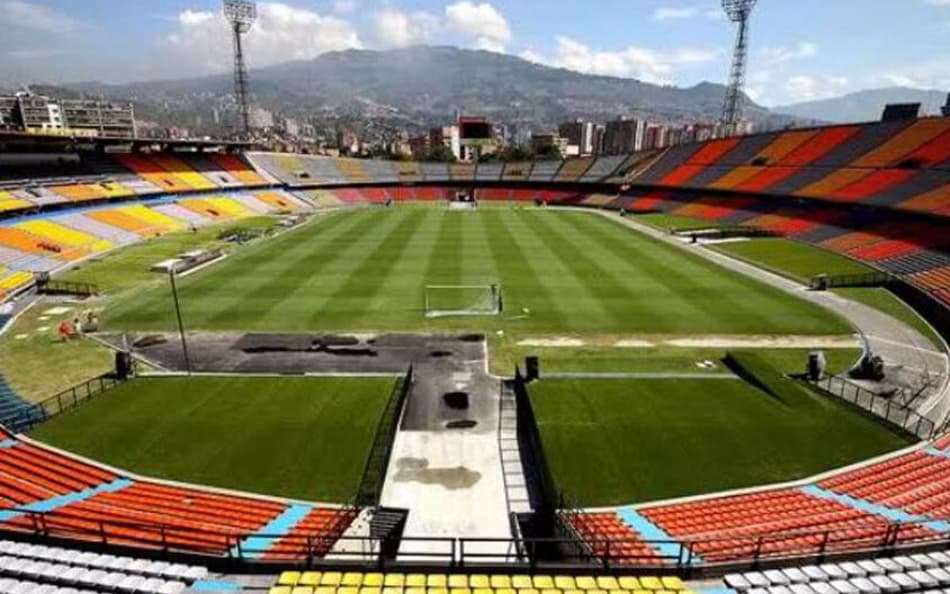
x: 440, y: 153
x: 549, y: 153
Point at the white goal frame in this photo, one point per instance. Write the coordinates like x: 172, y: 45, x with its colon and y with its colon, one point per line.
x: 493, y: 301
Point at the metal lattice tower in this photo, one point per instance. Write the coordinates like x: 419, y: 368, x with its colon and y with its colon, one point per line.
x: 739, y: 12
x: 241, y: 15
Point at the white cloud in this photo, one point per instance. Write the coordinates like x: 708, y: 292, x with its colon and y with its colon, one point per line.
x: 928, y: 74
x: 646, y: 64
x: 35, y: 17
x: 395, y: 28
x: 802, y: 51
x: 937, y: 2
x: 481, y: 21
x: 682, y: 13
x: 809, y: 88
x: 200, y: 42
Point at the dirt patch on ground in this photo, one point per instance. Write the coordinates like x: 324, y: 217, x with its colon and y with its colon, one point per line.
x: 712, y: 341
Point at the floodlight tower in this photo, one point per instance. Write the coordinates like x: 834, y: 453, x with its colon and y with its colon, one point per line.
x: 739, y: 12
x: 241, y: 15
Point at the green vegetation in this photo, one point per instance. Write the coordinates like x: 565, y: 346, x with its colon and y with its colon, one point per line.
x: 661, y: 359
x: 612, y: 442
x: 561, y: 272
x: 803, y: 262
x: 37, y: 364
x: 676, y: 222
x: 293, y: 437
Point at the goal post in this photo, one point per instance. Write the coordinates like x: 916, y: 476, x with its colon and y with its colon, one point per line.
x: 462, y: 300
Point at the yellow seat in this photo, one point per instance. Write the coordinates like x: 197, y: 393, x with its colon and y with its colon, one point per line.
x: 672, y: 583
x: 479, y: 581
x: 289, y: 578
x: 543, y: 582
x: 437, y: 590
x: 301, y: 590
x: 394, y: 580
x: 642, y: 592
x: 392, y: 590
x: 373, y: 580
x: 522, y: 582
x: 651, y: 583
x: 325, y: 590
x: 331, y: 578
x: 459, y: 591
x: 347, y: 590
x: 457, y: 580
x: 619, y: 592
x: 436, y: 580
x: 607, y: 582
x: 629, y: 583
x: 500, y: 581
x: 416, y: 580
x: 352, y: 578
x: 309, y: 578
x: 371, y: 590
x: 586, y: 582
x: 528, y: 591
x: 505, y: 591
x: 551, y: 591
x: 416, y: 590
x: 279, y: 590
x: 483, y: 591
x: 574, y: 592
x: 565, y: 582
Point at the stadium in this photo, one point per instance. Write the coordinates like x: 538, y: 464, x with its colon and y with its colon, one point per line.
x: 715, y: 366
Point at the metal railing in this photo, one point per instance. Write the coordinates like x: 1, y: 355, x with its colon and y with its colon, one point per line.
x: 866, y: 279
x: 883, y: 407
x: 377, y: 463
x: 50, y: 286
x: 244, y: 550
x: 31, y: 415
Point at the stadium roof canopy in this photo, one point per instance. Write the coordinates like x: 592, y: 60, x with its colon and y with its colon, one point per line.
x: 11, y: 141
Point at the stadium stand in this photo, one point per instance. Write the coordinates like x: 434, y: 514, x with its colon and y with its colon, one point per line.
x: 923, y: 572
x: 310, y: 582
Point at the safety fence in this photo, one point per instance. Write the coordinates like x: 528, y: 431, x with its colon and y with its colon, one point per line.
x: 31, y: 415
x: 884, y: 407
x: 377, y: 463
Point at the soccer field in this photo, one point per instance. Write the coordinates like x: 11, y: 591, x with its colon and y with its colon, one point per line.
x: 560, y: 272
x: 292, y: 437
x: 615, y: 442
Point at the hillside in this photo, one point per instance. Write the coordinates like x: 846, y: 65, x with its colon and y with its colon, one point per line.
x: 421, y: 86
x: 864, y: 106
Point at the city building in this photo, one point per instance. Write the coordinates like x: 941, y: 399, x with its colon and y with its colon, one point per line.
x: 541, y: 142
x: 38, y: 114
x: 447, y: 136
x: 624, y: 135
x: 476, y: 138
x: 580, y: 137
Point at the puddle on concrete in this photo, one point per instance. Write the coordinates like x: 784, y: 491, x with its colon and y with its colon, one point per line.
x: 417, y: 470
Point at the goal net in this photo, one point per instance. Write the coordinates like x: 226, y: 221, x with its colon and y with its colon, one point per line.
x: 462, y: 300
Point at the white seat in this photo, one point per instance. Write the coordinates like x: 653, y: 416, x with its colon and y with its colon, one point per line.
x: 176, y: 571
x: 105, y: 561
x: 736, y: 581
x: 886, y: 584
x: 120, y: 564
x: 833, y: 571
x: 889, y: 565
x: 904, y: 581
x: 871, y: 567
x: 853, y: 569
x: 151, y: 585
x: 24, y: 588
x: 140, y: 566
x: 173, y: 587
x: 814, y: 573
x: 6, y: 545
x: 112, y: 579
x: 941, y: 575
x: 822, y: 588
x: 88, y: 559
x: 801, y: 589
x: 756, y: 579
x: 924, y: 561
x: 923, y: 578
x: 54, y: 571
x: 778, y: 590
x: 776, y: 577
x: 67, y: 591
x: 34, y: 568
x: 865, y: 586
x: 795, y: 575
x: 843, y: 587
x: 92, y: 577
x: 907, y: 563
x: 131, y: 583
x: 45, y: 589
x: 67, y: 556
x: 196, y: 572
x: 942, y: 559
x: 72, y: 575
x: 156, y: 567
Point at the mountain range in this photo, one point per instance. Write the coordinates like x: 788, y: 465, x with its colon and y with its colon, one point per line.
x: 864, y: 106
x: 421, y: 86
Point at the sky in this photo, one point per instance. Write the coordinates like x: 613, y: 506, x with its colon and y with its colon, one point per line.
x: 801, y: 50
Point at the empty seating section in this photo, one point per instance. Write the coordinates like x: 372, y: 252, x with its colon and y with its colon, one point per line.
x: 818, y: 146
x: 435, y: 172
x: 608, y: 535
x: 38, y: 569
x: 462, y: 172
x: 64, y: 236
x: 13, y: 281
x: 517, y: 171
x: 352, y: 171
x: 29, y: 474
x: 239, y: 168
x: 10, y: 203
x: 409, y: 171
x: 783, y: 522
x: 153, y: 173
x: 544, y: 170
x: 603, y: 168
x: 892, y: 152
x: 314, y: 535
x: 357, y: 582
x: 573, y: 169
x: 922, y: 572
x: 490, y: 172
x: 918, y: 483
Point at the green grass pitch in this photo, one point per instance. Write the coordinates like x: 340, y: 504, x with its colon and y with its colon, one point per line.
x: 293, y: 437
x: 614, y: 442
x: 573, y: 272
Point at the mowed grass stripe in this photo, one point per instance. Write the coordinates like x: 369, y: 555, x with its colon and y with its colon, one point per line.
x: 567, y: 292
x: 375, y: 257
x: 520, y: 281
x: 679, y: 289
x: 297, y: 272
